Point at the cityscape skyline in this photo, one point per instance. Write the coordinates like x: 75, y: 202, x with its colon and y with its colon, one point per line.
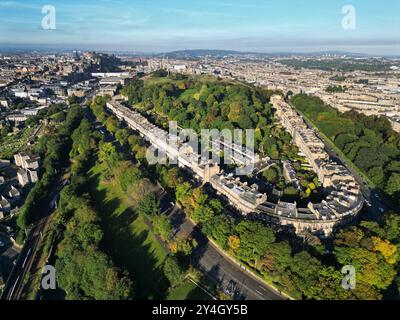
x: 254, y: 26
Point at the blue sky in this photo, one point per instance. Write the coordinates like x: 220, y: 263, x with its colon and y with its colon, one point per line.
x: 165, y: 25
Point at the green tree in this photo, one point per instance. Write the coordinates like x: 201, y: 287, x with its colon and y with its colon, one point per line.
x: 149, y: 206
x: 108, y: 154
x: 127, y: 174
x: 219, y: 228
x: 270, y: 175
x: 122, y: 136
x: 83, y: 271
x: 254, y: 240
x: 373, y: 272
x: 173, y: 271
x: 182, y: 192
x: 393, y: 184
x: 327, y: 285
x: 162, y: 226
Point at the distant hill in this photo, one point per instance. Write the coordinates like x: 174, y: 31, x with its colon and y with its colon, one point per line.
x: 337, y: 53
x: 197, y: 53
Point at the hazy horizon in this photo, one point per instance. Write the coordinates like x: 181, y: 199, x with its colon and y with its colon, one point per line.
x: 156, y: 26
x: 53, y: 49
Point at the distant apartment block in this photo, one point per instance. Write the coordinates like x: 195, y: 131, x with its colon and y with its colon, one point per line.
x: 28, y: 168
x: 26, y: 161
x: 5, y: 205
x: 33, y: 176
x: 23, y: 178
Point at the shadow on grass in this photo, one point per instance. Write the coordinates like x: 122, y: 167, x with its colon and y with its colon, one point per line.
x: 197, y: 294
x: 128, y: 247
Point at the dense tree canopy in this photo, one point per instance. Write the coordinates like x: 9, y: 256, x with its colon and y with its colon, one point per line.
x: 203, y: 102
x: 53, y: 149
x: 84, y: 271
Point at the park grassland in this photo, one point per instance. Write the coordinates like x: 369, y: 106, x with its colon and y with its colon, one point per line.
x: 187, y: 291
x: 15, y: 143
x: 132, y: 244
x: 157, y: 81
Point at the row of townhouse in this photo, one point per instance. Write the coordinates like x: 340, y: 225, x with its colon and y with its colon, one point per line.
x: 344, y: 198
x: 175, y: 146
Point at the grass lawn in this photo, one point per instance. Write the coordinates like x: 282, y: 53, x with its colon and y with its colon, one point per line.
x: 157, y: 81
x: 15, y: 143
x: 128, y: 239
x: 188, y: 291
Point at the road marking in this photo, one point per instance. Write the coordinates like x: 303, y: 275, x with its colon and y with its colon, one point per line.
x: 232, y: 274
x: 27, y: 255
x: 15, y: 284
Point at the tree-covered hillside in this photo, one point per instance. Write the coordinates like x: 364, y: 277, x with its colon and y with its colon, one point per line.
x: 206, y: 102
x: 203, y: 102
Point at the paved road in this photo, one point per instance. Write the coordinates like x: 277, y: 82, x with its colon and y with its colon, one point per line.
x: 212, y: 261
x: 223, y: 271
x: 220, y: 268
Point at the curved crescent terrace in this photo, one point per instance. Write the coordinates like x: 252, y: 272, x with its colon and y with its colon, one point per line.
x: 342, y: 204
